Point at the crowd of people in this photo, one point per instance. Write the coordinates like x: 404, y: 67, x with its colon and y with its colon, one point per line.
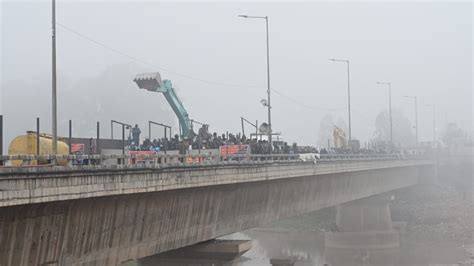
x: 205, y: 141
x: 214, y: 142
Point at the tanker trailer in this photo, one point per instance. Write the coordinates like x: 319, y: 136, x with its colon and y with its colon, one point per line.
x: 26, y: 145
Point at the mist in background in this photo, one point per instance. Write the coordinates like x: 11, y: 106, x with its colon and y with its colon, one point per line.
x: 216, y: 62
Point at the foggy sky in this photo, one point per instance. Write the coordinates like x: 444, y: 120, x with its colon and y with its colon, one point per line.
x: 424, y: 49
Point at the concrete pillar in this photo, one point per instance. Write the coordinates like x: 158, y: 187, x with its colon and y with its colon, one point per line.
x: 282, y: 262
x: 370, y: 214
x: 365, y: 234
x: 364, y: 224
x: 210, y: 253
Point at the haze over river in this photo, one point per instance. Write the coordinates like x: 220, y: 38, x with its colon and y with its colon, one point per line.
x: 307, y: 248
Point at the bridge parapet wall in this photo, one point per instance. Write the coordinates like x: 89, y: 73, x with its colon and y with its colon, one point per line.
x: 36, y: 186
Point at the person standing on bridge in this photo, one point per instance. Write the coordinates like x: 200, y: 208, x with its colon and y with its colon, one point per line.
x: 136, y: 136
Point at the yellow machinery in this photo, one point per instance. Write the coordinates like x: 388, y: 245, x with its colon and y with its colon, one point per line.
x: 339, y: 138
x: 26, y: 145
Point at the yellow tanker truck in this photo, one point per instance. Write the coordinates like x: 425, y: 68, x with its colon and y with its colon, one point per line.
x: 26, y: 145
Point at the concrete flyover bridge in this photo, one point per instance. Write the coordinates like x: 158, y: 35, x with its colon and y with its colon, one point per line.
x: 107, y: 214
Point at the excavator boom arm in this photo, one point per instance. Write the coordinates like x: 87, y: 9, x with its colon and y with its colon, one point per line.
x: 177, y: 107
x: 152, y: 82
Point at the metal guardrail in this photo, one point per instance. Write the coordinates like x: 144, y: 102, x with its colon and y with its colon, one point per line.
x: 335, y: 157
x: 79, y: 161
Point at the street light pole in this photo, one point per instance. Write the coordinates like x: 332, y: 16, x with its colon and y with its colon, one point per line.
x: 268, y: 90
x: 269, y: 106
x: 348, y: 96
x: 434, y: 124
x: 390, y: 109
x: 54, y: 95
x: 416, y: 116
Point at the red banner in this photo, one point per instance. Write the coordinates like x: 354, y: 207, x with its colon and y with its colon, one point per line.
x: 140, y: 160
x: 141, y: 152
x: 193, y: 159
x: 77, y: 148
x: 234, y: 149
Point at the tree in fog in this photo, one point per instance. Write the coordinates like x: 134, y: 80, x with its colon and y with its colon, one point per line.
x: 402, y: 129
x: 325, y: 130
x: 459, y: 150
x: 453, y: 135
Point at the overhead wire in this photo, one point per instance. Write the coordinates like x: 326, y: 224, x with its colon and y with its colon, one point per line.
x: 303, y: 104
x: 148, y: 63
x: 138, y: 60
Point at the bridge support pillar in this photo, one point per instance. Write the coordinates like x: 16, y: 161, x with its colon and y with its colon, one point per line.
x: 209, y: 253
x: 365, y: 234
x: 369, y: 214
x: 282, y: 262
x: 364, y: 223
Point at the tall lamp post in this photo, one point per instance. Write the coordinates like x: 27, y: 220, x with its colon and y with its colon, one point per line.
x: 416, y: 116
x: 348, y: 95
x: 268, y: 104
x: 389, y: 108
x: 434, y: 124
x: 54, y: 96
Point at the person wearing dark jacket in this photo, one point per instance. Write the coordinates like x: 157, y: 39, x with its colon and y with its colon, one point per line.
x: 136, y: 135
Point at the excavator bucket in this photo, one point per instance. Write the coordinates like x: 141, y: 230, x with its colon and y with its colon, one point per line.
x: 149, y: 81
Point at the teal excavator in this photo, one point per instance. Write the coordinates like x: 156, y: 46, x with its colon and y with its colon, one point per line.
x: 152, y: 82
